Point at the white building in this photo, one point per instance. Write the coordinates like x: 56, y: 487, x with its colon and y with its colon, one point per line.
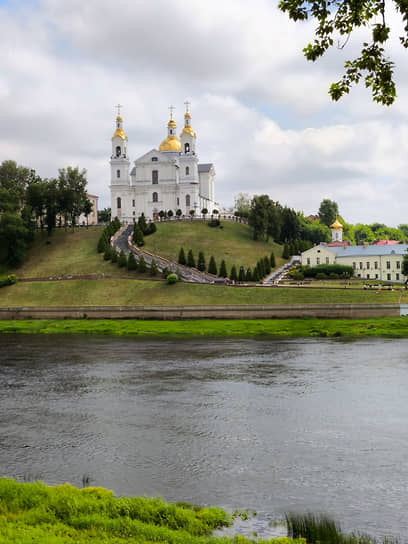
x: 167, y: 178
x: 372, y: 262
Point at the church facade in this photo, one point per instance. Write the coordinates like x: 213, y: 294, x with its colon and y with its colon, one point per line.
x: 167, y: 178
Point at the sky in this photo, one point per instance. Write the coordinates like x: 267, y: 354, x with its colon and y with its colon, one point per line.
x: 261, y: 112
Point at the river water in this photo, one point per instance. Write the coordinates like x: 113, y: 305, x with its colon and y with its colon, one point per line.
x: 272, y: 426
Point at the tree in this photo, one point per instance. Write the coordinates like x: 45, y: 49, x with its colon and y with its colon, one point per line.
x: 363, y: 234
x: 190, y: 259
x: 242, y: 204
x: 233, y: 273
x: 343, y: 18
x: 72, y: 190
x: 179, y: 213
x: 86, y: 210
x: 153, y: 268
x: 285, y: 252
x: 182, y: 257
x: 114, y: 255
x: 191, y: 212
x: 204, y: 211
x: 104, y: 215
x: 248, y: 276
x: 328, y: 211
x: 223, y: 270
x: 272, y: 260
x: 290, y: 225
x: 201, y: 261
x: 15, y: 239
x: 122, y: 259
x: 13, y: 182
x: 35, y: 197
x: 267, y: 266
x: 212, y: 266
x: 265, y: 218
x: 241, y: 274
x: 405, y: 265
x: 170, y: 214
x: 161, y: 214
x: 142, y: 224
x: 131, y: 264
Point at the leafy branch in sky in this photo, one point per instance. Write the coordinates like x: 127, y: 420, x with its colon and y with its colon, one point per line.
x: 340, y: 18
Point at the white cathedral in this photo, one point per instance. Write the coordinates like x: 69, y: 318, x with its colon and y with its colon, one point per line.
x: 168, y: 178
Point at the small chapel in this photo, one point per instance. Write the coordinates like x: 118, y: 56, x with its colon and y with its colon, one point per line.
x: 167, y: 178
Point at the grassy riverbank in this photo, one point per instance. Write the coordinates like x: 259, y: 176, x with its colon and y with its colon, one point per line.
x: 386, y: 327
x: 35, y: 513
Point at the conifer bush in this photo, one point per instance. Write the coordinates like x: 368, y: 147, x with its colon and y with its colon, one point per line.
x: 131, y: 264
x: 248, y: 275
x: 223, y: 270
x: 114, y: 255
x: 201, y: 262
x: 122, y: 259
x: 241, y: 274
x: 272, y: 260
x: 137, y: 237
x: 142, y: 264
x: 153, y: 268
x: 182, y: 257
x: 107, y: 255
x: 267, y: 266
x: 286, y: 252
x: 212, y: 267
x: 233, y: 273
x: 190, y: 259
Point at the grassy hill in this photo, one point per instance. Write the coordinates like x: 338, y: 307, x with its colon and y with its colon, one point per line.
x: 233, y: 242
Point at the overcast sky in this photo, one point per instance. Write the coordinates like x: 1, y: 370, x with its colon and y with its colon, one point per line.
x: 262, y: 113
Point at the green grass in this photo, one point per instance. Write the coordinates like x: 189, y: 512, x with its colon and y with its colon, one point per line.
x: 134, y: 292
x: 36, y: 513
x: 391, y: 327
x: 68, y: 253
x: 233, y: 243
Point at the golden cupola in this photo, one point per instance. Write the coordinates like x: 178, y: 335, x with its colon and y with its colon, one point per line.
x: 336, y: 225
x: 119, y: 130
x: 171, y: 143
x: 187, y: 123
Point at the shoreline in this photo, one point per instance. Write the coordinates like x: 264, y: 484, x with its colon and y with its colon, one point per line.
x: 380, y: 327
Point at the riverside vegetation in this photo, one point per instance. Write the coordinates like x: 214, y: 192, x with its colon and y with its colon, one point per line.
x: 35, y: 513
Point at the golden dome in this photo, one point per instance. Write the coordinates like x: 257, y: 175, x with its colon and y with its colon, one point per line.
x: 172, y: 123
x: 187, y: 115
x: 119, y: 132
x: 119, y: 118
x: 336, y: 225
x: 188, y: 130
x: 171, y: 143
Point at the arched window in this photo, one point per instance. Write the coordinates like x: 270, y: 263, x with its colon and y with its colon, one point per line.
x: 155, y: 177
x: 155, y: 197
x: 187, y: 201
x: 118, y: 173
x: 186, y: 148
x: 118, y: 203
x: 118, y: 151
x: 187, y: 170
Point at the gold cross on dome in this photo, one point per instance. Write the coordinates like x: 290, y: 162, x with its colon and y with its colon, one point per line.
x: 171, y: 108
x: 187, y: 104
x: 119, y: 106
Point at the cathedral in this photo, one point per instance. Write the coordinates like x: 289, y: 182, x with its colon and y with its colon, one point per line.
x: 167, y: 178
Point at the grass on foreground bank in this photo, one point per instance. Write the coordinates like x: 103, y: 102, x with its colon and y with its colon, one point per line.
x: 35, y: 513
x: 234, y: 242
x: 114, y: 292
x: 386, y: 327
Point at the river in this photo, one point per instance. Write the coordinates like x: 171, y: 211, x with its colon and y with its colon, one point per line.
x: 272, y: 426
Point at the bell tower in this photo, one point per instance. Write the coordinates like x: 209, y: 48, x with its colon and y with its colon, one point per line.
x: 188, y: 136
x: 119, y: 159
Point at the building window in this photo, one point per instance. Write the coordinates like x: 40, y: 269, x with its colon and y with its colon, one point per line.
x: 317, y: 260
x: 133, y: 203
x: 187, y: 201
x: 186, y: 148
x: 398, y: 264
x: 134, y: 213
x: 388, y: 265
x: 178, y: 201
x: 397, y: 277
x: 155, y: 197
x: 327, y: 260
x: 376, y: 265
x: 155, y: 177
x: 368, y: 266
x: 118, y: 151
x: 376, y: 276
x: 154, y: 159
x: 368, y: 276
x: 361, y: 266
x: 389, y: 277
x: 354, y: 266
x: 308, y: 261
x: 187, y: 170
x: 118, y: 173
x: 118, y: 203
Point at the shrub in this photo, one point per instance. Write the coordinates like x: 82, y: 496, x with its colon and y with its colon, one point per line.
x: 190, y: 259
x: 114, y: 255
x: 341, y: 270
x: 170, y: 213
x: 102, y: 244
x: 297, y: 275
x: 233, y: 273
x: 131, y: 264
x: 267, y: 265
x: 214, y: 223
x: 151, y: 228
x: 272, y: 260
x: 201, y: 262
x: 107, y: 255
x: 286, y: 252
x: 142, y: 264
x: 255, y: 275
x: 137, y: 237
x: 212, y: 267
x: 165, y: 272
x: 248, y: 275
x: 320, y: 276
x: 241, y: 274
x: 10, y: 280
x: 172, y: 278
x: 182, y: 257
